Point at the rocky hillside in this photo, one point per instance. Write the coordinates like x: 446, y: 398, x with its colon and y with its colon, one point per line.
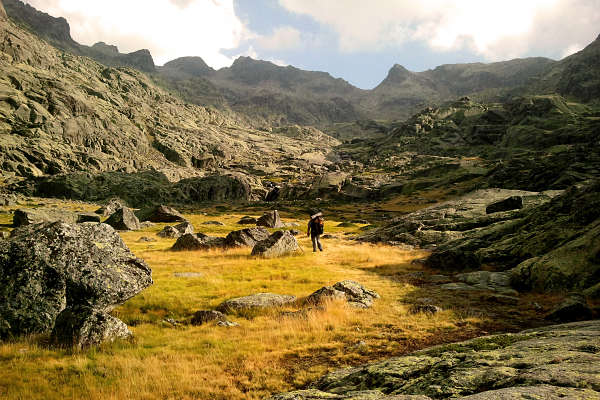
x: 61, y: 113
x: 271, y: 95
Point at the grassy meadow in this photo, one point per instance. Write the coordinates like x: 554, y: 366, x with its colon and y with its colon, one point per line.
x: 269, y: 352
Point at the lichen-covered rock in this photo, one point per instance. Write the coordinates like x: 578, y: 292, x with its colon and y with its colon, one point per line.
x: 111, y: 206
x: 124, y: 220
x: 542, y: 363
x: 246, y: 237
x: 280, y: 243
x: 83, y: 327
x: 204, y: 316
x: 313, y: 394
x: 185, y: 227
x: 160, y: 214
x: 256, y: 301
x: 45, y: 267
x: 192, y: 242
x: 353, y: 292
x: 217, y: 223
x: 23, y: 217
x: 270, y: 219
x: 169, y: 232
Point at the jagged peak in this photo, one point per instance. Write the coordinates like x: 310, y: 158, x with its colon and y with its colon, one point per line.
x: 106, y: 47
x: 192, y: 65
x: 397, y: 74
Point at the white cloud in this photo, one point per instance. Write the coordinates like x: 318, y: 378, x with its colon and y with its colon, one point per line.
x: 168, y: 28
x: 282, y: 38
x: 496, y: 30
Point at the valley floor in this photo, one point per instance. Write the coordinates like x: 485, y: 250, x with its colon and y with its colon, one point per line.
x: 269, y: 352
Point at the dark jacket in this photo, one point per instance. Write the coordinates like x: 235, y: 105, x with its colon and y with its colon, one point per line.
x: 315, y: 227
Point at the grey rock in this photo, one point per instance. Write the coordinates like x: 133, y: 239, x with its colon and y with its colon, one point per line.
x: 511, y: 203
x: 191, y: 242
x: 146, y: 239
x: 169, y: 232
x: 185, y: 227
x: 45, y: 267
x: 326, y: 293
x: 356, y: 294
x: 270, y: 219
x: 329, y: 236
x: 545, y: 392
x: 313, y: 394
x: 247, y: 221
x: 23, y: 217
x: 146, y: 224
x: 4, y: 235
x: 218, y: 223
x: 256, y: 301
x: 279, y: 244
x: 204, y: 316
x: 123, y: 220
x: 113, y: 205
x: 572, y: 308
x: 294, y: 232
x: 87, y: 217
x: 227, y: 324
x: 246, y: 237
x: 424, y: 308
x: 160, y: 214
x: 486, y: 280
x: 83, y: 327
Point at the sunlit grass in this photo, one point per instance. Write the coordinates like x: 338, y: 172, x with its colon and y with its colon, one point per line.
x: 268, y: 352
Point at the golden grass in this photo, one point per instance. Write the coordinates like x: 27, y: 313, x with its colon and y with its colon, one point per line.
x: 267, y: 353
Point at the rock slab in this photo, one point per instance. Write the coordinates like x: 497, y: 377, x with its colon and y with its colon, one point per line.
x: 270, y: 219
x: 256, y: 301
x: 280, y: 243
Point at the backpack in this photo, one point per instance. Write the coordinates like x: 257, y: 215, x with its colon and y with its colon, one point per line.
x: 318, y: 225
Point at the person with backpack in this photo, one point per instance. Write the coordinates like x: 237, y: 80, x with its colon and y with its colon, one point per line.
x: 315, y: 230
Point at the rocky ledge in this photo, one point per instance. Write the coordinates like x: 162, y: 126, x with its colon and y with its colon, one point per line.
x: 560, y: 361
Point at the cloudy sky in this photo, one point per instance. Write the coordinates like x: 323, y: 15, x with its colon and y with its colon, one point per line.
x: 357, y: 40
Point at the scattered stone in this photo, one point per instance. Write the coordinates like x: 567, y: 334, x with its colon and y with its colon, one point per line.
x: 573, y: 308
x: 146, y: 239
x: 459, y: 286
x: 291, y: 224
x: 109, y: 209
x: 246, y: 237
x: 294, y: 232
x: 191, y: 242
x: 171, y: 322
x: 280, y: 243
x: 346, y: 225
x: 353, y: 292
x: 4, y: 235
x: 256, y: 301
x: 188, y: 275
x: 246, y: 220
x: 185, y: 227
x: 219, y: 223
x: 83, y: 327
x: 486, y: 280
x: 511, y: 203
x: 227, y: 324
x: 24, y: 217
x: 329, y: 236
x: 169, y: 232
x: 501, y: 299
x: 87, y: 217
x: 47, y: 267
x: 160, y: 214
x: 204, y: 316
x: 270, y: 220
x: 123, y: 220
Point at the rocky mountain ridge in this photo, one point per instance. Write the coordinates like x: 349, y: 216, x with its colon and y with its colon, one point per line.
x: 271, y: 95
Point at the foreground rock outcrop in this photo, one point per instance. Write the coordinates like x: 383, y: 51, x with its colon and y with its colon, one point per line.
x: 49, y: 267
x: 560, y: 361
x: 353, y: 292
x: 280, y: 243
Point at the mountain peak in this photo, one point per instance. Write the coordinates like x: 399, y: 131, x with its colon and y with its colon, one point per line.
x: 397, y: 74
x: 194, y: 66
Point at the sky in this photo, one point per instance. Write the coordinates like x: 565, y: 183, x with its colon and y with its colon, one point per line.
x: 357, y: 40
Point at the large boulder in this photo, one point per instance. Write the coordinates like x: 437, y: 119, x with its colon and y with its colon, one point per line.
x: 160, y: 214
x: 169, y: 232
x: 270, y: 219
x: 280, y: 243
x: 87, y: 217
x: 256, y: 301
x: 124, y: 220
x: 200, y: 241
x: 555, y: 362
x: 246, y: 237
x: 572, y: 308
x: 31, y: 216
x: 82, y: 327
x: 185, y: 227
x: 246, y: 220
x: 47, y: 267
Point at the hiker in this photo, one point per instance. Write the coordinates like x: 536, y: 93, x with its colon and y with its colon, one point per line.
x: 315, y: 230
